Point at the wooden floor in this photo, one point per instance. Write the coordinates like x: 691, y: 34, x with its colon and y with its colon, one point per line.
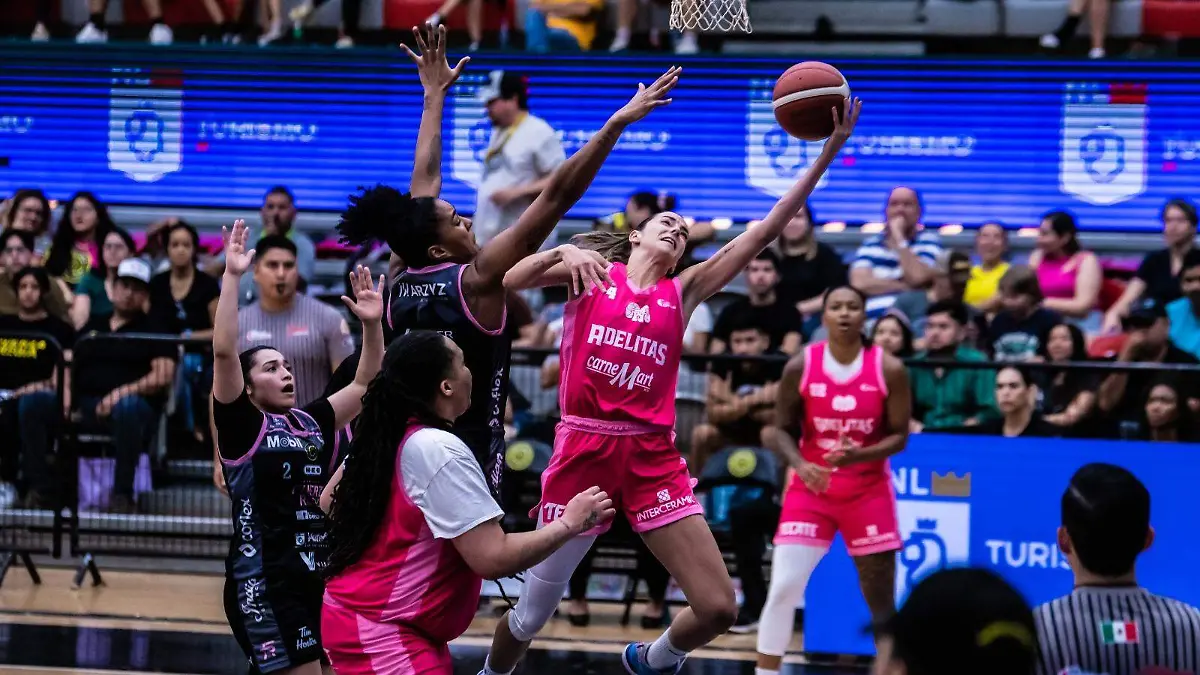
x: 149, y: 602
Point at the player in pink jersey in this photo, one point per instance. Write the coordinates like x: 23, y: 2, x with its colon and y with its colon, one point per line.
x: 413, y: 526
x: 849, y: 404
x: 620, y: 353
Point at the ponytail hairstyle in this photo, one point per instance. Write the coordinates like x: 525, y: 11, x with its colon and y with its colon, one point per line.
x: 614, y: 246
x: 407, y: 224
x: 246, y: 361
x: 401, y: 395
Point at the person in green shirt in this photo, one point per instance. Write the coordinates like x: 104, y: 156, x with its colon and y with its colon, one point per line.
x: 947, y: 398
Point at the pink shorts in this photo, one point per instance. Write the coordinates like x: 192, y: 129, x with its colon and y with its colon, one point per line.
x: 866, y: 518
x: 643, y: 473
x: 356, y: 645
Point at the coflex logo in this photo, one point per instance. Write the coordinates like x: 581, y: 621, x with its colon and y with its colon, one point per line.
x: 1104, y: 145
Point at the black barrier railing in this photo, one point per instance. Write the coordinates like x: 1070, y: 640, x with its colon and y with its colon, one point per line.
x: 115, y: 492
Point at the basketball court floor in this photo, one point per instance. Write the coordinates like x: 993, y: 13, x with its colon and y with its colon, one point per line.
x: 155, y: 622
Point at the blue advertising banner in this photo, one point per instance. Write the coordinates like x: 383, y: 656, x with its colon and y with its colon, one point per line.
x: 983, y: 140
x: 994, y: 502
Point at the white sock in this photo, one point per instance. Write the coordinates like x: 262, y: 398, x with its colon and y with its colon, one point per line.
x: 765, y: 671
x: 661, y: 654
x: 488, y: 670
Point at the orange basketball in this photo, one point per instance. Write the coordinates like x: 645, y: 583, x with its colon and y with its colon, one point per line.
x: 805, y: 96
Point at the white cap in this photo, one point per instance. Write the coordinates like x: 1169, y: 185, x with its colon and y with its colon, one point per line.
x: 134, y: 268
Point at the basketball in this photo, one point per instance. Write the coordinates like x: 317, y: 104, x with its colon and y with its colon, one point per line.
x: 804, y: 96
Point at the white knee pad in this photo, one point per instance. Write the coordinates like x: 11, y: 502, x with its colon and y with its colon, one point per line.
x: 544, y: 587
x: 791, y: 568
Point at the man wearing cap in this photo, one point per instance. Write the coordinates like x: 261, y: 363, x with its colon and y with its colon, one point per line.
x: 1122, y: 394
x: 122, y: 384
x: 958, y: 621
x: 522, y: 153
x: 1184, y: 313
x: 1108, y: 625
x: 950, y: 277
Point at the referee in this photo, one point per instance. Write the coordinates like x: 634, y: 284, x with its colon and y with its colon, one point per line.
x: 1109, y: 625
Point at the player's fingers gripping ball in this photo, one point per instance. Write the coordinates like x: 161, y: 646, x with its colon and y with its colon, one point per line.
x: 804, y: 96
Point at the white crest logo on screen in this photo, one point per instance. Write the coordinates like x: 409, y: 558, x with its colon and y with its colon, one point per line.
x: 145, y: 123
x: 774, y: 160
x: 1104, y: 145
x: 936, y: 535
x: 471, y: 131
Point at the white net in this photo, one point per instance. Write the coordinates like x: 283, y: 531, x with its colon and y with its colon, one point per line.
x: 710, y: 15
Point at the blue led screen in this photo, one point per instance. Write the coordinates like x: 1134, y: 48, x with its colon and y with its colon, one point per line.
x: 982, y: 140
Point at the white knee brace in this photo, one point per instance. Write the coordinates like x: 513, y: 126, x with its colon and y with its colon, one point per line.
x: 791, y: 568
x: 545, y: 585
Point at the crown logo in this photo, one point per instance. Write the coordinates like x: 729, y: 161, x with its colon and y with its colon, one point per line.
x: 928, y: 524
x: 950, y: 485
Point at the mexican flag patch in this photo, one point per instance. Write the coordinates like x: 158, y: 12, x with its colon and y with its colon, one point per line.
x: 1119, y: 632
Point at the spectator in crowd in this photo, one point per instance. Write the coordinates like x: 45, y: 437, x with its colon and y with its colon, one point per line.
x: 649, y: 570
x: 901, y: 258
x: 807, y: 267
x: 314, y: 335
x: 521, y: 155
x: 1069, y: 276
x: 561, y: 25
x: 347, y: 29
x: 1016, y: 398
x: 183, y: 301
x: 1184, y: 312
x: 1159, y: 275
x: 1167, y: 415
x: 16, y: 253
x: 29, y: 375
x: 96, y: 29
x: 627, y: 14
x: 94, y: 292
x: 1122, y: 393
x: 474, y: 19
x: 983, y: 288
x: 1069, y: 396
x: 81, y: 231
x: 741, y: 395
x: 1098, y: 11
x: 762, y: 307
x: 947, y: 398
x: 278, y: 216
x: 1105, y: 527
x: 949, y: 284
x: 893, y: 334
x: 1018, y: 331
x: 121, y: 384
x: 958, y: 620
x: 29, y: 210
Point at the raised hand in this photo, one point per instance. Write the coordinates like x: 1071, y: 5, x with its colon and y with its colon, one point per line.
x: 587, y: 509
x: 843, y: 125
x: 237, y: 258
x: 588, y: 270
x: 435, y: 71
x: 649, y: 98
x: 367, y: 304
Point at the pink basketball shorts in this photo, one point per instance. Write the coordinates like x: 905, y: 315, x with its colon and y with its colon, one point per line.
x: 643, y: 473
x: 356, y: 645
x: 866, y: 517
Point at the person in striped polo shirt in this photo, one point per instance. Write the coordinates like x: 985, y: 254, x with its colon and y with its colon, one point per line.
x: 903, y: 257
x: 1109, y: 625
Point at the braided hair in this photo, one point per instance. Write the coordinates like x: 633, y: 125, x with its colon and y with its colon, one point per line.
x: 402, y: 394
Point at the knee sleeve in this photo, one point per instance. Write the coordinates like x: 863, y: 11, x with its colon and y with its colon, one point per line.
x: 544, y: 587
x: 791, y: 568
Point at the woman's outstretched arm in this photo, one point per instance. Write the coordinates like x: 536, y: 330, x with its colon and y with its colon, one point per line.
x: 701, y: 281
x: 436, y: 79
x: 367, y: 305
x: 227, y: 371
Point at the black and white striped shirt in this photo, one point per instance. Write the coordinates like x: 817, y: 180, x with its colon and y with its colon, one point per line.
x: 1122, y: 630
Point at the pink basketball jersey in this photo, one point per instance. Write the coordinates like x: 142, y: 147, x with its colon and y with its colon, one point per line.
x: 620, y: 353
x: 855, y: 409
x: 407, y: 576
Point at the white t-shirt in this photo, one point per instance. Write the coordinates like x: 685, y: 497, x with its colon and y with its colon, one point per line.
x: 443, y: 479
x: 530, y: 152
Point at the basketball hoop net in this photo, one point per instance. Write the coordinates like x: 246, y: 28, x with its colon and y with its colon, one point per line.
x: 710, y: 15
